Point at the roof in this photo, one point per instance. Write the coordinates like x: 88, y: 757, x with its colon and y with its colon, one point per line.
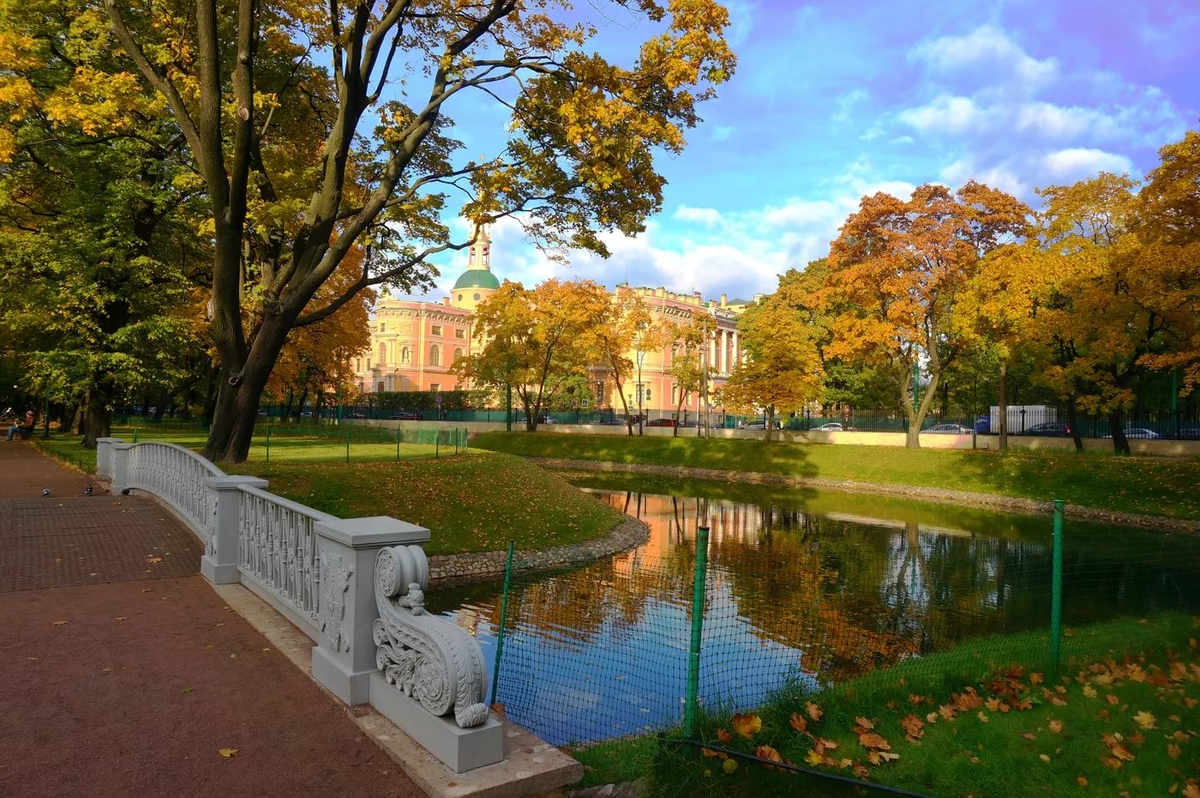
x: 477, y: 278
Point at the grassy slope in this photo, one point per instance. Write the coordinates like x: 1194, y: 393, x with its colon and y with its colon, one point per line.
x: 473, y: 502
x: 1154, y: 486
x: 1015, y: 753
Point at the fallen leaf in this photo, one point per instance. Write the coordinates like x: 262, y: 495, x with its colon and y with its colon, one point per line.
x: 1055, y: 726
x: 813, y: 710
x: 1145, y: 720
x: 1112, y: 699
x: 729, y: 766
x: 879, y: 757
x: 799, y: 722
x: 873, y: 740
x: 228, y: 752
x: 1089, y: 691
x: 814, y: 758
x: 1173, y: 750
x: 747, y: 725
x: 186, y: 690
x: 154, y: 559
x: 767, y: 752
x: 724, y: 736
x: 864, y: 724
x: 1044, y: 757
x: 60, y: 623
x: 1081, y: 781
x: 120, y: 618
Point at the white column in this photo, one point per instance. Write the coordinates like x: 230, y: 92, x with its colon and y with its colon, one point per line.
x: 723, y: 353
x: 344, y: 658
x: 104, y: 457
x: 120, y: 466
x: 219, y: 565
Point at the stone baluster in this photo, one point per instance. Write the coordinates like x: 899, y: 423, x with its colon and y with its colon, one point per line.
x: 344, y: 658
x: 222, y: 526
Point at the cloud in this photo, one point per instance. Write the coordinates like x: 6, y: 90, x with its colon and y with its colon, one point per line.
x: 846, y: 103
x: 985, y: 48
x: 946, y: 114
x: 707, y: 216
x: 1079, y: 162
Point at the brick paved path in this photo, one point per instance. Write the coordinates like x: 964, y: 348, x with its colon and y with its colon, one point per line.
x: 123, y: 674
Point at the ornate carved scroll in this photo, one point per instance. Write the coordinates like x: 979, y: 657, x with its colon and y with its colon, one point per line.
x: 427, y: 658
x: 335, y: 581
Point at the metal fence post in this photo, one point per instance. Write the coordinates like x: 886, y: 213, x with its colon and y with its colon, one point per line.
x: 503, y: 617
x: 693, y: 676
x: 1056, y: 588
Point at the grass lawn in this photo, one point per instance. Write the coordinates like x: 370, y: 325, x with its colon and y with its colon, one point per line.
x: 477, y: 501
x: 1153, y: 486
x: 1121, y: 719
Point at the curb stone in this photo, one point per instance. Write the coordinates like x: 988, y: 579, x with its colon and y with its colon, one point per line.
x: 941, y: 496
x: 447, y: 570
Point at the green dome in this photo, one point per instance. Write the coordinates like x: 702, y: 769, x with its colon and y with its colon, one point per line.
x: 477, y: 278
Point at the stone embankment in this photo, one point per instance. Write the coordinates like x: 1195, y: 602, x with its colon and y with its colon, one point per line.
x: 939, y: 495
x: 446, y: 570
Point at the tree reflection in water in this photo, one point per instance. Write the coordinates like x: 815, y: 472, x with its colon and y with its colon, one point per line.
x: 823, y: 594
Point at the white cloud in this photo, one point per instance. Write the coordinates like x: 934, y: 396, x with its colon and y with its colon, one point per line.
x: 1079, y: 162
x: 1001, y: 176
x: 947, y: 114
x: 988, y: 48
x: 845, y: 105
x: 706, y: 216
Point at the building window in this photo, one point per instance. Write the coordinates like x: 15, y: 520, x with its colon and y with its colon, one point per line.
x: 460, y: 297
x: 460, y: 333
x: 437, y: 330
x: 405, y: 355
x: 477, y: 297
x: 674, y: 392
x: 382, y: 354
x: 382, y: 327
x: 368, y: 364
x: 457, y: 352
x: 381, y: 387
x: 435, y: 356
x: 435, y: 386
x: 599, y: 393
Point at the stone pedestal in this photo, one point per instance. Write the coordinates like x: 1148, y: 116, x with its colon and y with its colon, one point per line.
x: 344, y: 659
x: 120, y: 466
x: 459, y: 749
x: 104, y: 457
x: 219, y: 565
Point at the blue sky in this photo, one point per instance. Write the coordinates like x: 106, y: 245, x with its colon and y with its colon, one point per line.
x: 835, y: 100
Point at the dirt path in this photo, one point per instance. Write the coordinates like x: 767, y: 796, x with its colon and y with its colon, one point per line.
x: 123, y: 674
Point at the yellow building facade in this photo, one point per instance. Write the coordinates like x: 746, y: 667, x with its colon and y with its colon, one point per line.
x: 414, y: 343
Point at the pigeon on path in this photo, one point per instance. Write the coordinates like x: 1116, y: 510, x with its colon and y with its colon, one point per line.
x: 45, y: 491
x: 87, y: 491
x: 124, y: 492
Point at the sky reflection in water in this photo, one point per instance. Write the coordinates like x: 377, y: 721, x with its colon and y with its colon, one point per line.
x: 821, y: 588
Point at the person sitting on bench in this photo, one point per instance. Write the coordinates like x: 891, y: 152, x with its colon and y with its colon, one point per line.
x: 24, y: 427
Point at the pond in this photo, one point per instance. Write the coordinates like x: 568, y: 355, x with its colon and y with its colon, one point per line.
x: 820, y: 587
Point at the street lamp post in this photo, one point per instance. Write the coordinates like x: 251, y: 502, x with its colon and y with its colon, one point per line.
x: 641, y: 356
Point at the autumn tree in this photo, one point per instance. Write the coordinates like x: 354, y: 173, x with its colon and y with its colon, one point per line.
x: 898, y: 268
x: 535, y: 341
x: 99, y: 252
x: 577, y: 156
x: 1124, y: 294
x: 688, y: 341
x: 615, y: 336
x: 781, y: 368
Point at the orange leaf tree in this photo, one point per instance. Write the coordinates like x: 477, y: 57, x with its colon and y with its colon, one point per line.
x: 898, y: 269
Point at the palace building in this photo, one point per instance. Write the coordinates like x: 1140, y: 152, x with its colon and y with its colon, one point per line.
x: 414, y: 343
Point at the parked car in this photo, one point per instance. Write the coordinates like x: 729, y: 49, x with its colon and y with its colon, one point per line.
x: 1189, y: 434
x: 662, y: 422
x: 1049, y: 429
x: 1138, y: 432
x: 407, y: 415
x: 356, y: 415
x: 614, y: 421
x: 832, y: 426
x: 948, y: 429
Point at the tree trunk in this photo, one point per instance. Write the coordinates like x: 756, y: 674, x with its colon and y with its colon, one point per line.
x: 210, y: 398
x: 770, y: 414
x: 625, y: 404
x: 98, y: 424
x: 1003, y: 405
x: 77, y: 421
x: 1073, y: 422
x: 1120, y: 442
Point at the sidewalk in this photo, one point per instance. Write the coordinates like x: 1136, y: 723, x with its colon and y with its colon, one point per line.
x: 122, y: 673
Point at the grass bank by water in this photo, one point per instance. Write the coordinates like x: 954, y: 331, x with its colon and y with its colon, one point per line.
x: 1121, y: 718
x: 476, y: 501
x: 1150, y: 486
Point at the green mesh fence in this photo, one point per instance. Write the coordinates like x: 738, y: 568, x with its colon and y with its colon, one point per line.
x: 938, y: 638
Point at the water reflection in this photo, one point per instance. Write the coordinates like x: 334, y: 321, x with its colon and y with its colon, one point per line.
x: 822, y: 588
